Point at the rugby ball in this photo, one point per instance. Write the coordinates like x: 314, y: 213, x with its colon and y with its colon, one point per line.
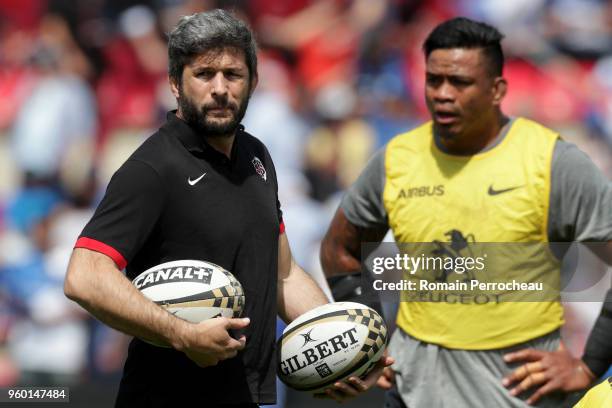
x: 192, y: 290
x: 330, y: 343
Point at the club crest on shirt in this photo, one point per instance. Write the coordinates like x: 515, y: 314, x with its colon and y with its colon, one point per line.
x: 259, y: 168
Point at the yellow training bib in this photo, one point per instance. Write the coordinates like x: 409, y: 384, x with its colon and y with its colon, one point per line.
x: 599, y: 396
x: 498, y: 196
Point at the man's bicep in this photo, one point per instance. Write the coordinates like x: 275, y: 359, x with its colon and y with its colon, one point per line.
x: 284, y: 256
x: 127, y: 214
x: 85, y: 268
x: 85, y: 259
x: 363, y: 203
x: 580, y: 200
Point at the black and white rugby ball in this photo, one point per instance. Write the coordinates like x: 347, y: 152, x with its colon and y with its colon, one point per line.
x: 330, y: 343
x: 192, y: 290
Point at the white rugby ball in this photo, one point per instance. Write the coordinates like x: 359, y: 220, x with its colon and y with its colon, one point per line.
x: 192, y: 290
x: 330, y: 343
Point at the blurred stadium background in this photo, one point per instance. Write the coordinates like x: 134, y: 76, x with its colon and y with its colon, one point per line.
x: 83, y: 83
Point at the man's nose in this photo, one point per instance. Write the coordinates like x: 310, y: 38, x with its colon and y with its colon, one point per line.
x: 219, y: 84
x: 445, y: 92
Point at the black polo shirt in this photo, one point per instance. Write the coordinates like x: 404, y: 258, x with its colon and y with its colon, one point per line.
x: 178, y: 198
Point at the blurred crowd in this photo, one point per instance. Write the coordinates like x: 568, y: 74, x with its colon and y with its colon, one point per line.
x: 83, y: 83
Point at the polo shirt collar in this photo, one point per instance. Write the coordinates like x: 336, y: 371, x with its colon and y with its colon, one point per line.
x: 192, y: 140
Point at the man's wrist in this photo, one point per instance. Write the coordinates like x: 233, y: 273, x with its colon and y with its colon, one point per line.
x: 178, y: 333
x: 584, y: 367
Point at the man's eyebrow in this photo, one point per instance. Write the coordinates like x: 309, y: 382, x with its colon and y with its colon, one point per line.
x: 452, y: 76
x: 462, y: 77
x: 215, y: 67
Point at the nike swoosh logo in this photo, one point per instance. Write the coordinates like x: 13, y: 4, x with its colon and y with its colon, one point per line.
x: 505, y: 190
x: 193, y: 182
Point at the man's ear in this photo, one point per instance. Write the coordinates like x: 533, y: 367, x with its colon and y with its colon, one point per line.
x: 500, y: 87
x: 174, y: 87
x: 253, y: 84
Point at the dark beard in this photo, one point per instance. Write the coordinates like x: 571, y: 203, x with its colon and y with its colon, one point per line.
x: 443, y: 133
x: 196, y: 118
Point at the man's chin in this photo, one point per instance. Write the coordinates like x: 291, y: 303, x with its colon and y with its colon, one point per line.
x: 220, y: 128
x: 448, y: 132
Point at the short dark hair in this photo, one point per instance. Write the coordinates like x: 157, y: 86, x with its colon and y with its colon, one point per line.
x: 213, y: 30
x: 461, y: 32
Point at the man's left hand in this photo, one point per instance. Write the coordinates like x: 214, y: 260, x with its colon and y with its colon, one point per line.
x: 352, y: 387
x: 548, y: 370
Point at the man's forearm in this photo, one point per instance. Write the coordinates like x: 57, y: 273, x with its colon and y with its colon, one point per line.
x: 341, y: 246
x: 598, y: 352
x: 297, y: 294
x: 97, y: 285
x: 337, y: 260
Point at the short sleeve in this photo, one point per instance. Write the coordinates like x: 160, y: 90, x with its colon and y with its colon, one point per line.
x: 274, y: 179
x: 363, y: 202
x: 597, y: 352
x: 281, y: 223
x: 127, y: 214
x: 580, y: 198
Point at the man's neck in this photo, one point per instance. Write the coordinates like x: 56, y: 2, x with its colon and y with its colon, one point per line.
x: 222, y: 143
x: 478, y: 139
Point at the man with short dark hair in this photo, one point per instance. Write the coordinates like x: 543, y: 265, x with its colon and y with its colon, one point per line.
x: 200, y: 188
x: 472, y: 175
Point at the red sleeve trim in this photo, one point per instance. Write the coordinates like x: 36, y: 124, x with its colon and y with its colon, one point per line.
x: 282, y: 227
x: 94, y: 245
